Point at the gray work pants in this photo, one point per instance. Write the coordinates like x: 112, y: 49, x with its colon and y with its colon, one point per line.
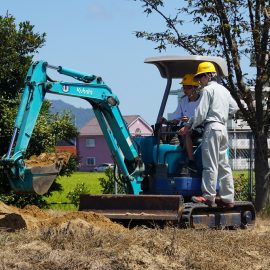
x: 215, y: 161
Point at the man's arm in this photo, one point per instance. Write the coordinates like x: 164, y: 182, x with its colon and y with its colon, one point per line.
x: 178, y: 112
x: 201, y: 111
x: 233, y: 107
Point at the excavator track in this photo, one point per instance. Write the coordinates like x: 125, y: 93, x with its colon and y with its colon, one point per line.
x: 195, y: 215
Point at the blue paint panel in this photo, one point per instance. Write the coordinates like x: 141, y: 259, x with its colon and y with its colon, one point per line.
x: 173, y: 155
x: 145, y: 147
x: 162, y: 186
x: 186, y: 186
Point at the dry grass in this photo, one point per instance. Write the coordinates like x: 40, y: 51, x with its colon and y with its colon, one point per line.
x: 91, y: 242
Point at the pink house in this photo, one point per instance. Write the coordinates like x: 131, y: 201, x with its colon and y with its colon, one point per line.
x: 92, y: 147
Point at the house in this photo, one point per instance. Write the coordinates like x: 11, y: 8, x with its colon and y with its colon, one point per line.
x: 92, y: 147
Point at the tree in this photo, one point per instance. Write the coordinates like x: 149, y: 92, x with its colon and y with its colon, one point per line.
x: 49, y: 129
x: 237, y: 30
x: 17, y: 49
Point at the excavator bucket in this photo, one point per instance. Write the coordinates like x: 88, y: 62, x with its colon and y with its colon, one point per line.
x: 43, y: 177
x: 40, y: 173
x: 36, y: 180
x: 136, y: 208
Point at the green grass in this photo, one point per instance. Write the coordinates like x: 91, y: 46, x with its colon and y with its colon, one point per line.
x: 237, y: 173
x: 245, y: 173
x: 59, y: 200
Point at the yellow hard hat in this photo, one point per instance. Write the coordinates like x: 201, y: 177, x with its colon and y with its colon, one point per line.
x: 205, y: 67
x: 189, y: 80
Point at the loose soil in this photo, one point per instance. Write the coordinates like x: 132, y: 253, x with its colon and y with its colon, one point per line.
x: 32, y: 238
x: 46, y: 159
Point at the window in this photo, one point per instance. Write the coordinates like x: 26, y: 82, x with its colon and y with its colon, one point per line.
x: 91, y: 161
x: 138, y: 132
x: 90, y: 142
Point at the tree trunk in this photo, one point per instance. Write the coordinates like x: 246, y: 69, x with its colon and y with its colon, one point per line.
x: 262, y: 177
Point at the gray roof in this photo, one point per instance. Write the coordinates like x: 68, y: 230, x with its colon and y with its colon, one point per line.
x: 177, y: 66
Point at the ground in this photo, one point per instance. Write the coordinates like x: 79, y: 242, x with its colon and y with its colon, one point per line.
x: 32, y: 238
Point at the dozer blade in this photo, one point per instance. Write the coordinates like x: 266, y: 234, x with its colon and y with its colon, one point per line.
x: 134, y: 207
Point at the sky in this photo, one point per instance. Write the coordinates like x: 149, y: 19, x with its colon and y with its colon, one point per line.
x: 97, y: 37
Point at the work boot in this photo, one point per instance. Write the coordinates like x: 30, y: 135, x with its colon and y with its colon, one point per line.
x: 223, y: 204
x: 192, y: 166
x: 201, y: 199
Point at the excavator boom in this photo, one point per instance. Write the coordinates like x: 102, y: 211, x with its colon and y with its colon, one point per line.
x: 105, y: 105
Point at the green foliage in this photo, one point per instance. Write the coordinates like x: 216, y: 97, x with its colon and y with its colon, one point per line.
x: 49, y: 129
x: 74, y: 195
x: 21, y: 200
x: 69, y: 168
x: 17, y: 49
x: 107, y: 184
x: 8, y: 110
x: 241, y: 186
x: 18, y: 46
x: 214, y: 24
x: 217, y: 30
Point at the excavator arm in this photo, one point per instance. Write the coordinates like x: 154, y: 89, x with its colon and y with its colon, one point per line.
x: 105, y: 105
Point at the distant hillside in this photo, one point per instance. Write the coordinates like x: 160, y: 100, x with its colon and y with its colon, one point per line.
x: 82, y: 115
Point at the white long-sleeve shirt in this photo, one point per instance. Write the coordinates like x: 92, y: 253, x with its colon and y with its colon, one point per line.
x: 215, y: 106
x: 185, y: 108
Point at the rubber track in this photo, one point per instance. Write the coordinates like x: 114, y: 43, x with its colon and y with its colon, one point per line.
x: 191, y: 209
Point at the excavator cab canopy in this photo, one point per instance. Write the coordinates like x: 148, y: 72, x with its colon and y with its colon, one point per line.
x: 175, y: 67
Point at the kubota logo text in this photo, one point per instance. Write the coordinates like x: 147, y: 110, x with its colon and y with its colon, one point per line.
x: 82, y: 90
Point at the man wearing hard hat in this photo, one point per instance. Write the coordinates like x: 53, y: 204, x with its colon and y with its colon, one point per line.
x: 185, y: 111
x: 213, y: 111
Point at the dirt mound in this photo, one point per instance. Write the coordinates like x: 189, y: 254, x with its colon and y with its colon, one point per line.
x: 82, y: 244
x: 83, y: 240
x: 32, y: 217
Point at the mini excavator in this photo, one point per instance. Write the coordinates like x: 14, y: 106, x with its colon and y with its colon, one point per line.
x: 148, y: 168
